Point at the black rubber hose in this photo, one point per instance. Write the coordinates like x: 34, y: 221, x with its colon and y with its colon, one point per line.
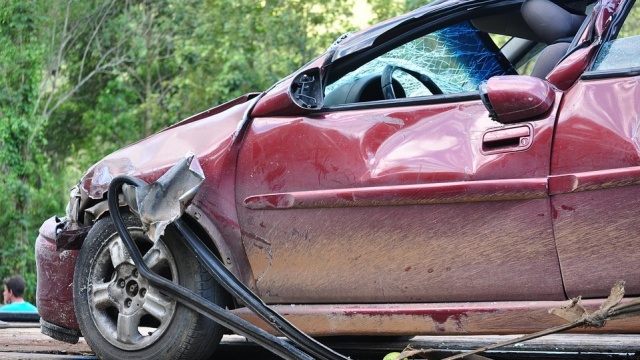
x: 188, y: 298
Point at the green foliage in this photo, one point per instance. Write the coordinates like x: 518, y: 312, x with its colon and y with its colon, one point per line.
x: 79, y: 79
x: 23, y: 174
x: 239, y: 47
x: 385, y: 9
x: 631, y: 23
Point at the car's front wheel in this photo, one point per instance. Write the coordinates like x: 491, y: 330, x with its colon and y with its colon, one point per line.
x: 121, y: 315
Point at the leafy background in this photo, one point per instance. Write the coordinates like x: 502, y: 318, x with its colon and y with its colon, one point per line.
x: 79, y: 79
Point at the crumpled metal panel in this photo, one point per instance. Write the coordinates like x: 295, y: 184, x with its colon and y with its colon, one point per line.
x: 160, y: 203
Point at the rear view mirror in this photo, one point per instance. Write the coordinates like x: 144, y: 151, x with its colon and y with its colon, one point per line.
x: 515, y: 98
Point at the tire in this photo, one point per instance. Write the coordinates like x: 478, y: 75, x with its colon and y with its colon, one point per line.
x: 122, y: 316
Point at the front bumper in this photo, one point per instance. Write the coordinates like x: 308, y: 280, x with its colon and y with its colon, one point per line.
x: 54, y: 293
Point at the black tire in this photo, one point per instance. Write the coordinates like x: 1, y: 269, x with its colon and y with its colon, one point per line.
x: 121, y: 316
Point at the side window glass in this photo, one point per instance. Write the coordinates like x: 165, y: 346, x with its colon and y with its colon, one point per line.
x: 525, y: 65
x: 448, y: 61
x: 624, y: 51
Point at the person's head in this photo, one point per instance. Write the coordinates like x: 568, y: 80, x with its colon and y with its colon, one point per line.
x: 13, y: 289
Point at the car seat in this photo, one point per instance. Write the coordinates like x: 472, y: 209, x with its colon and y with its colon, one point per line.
x: 555, y: 26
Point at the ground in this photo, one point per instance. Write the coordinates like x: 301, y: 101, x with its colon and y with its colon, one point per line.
x: 24, y: 341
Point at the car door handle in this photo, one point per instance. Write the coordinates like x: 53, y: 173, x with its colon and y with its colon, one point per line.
x: 509, y: 139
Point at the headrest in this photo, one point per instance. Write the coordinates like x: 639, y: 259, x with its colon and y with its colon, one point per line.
x: 550, y: 21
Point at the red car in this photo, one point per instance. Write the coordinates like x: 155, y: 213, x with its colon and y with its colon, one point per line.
x: 417, y: 178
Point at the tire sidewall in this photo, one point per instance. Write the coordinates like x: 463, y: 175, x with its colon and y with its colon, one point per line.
x: 171, y: 344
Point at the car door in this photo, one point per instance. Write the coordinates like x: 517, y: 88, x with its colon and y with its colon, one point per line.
x: 596, y: 164
x: 420, y: 199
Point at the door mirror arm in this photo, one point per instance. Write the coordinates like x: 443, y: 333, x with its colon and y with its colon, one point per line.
x: 306, y: 89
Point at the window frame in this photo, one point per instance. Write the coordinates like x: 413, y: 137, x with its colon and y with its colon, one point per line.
x: 611, y: 35
x: 387, y: 42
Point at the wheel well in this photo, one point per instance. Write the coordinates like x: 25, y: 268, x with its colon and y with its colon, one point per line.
x: 100, y: 211
x: 202, y: 234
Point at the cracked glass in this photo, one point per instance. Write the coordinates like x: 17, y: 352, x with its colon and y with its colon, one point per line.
x: 622, y: 52
x: 457, y: 59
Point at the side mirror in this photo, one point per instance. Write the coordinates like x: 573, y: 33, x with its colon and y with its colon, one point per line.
x: 294, y: 95
x: 306, y: 89
x: 514, y: 98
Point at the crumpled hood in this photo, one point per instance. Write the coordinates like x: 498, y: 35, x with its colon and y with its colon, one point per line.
x: 207, y: 135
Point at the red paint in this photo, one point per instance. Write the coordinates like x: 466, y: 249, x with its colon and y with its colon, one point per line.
x: 431, y: 319
x: 215, y: 110
x: 441, y: 193
x: 596, y: 174
x: 364, y: 182
x: 569, y: 70
x: 439, y: 314
x: 54, y: 291
x: 565, y: 74
x: 516, y: 98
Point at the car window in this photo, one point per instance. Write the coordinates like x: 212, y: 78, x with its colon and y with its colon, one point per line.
x: 457, y: 59
x: 624, y: 51
x: 631, y: 25
x: 525, y: 65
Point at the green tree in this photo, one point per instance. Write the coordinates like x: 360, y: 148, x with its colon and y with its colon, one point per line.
x: 385, y: 9
x: 182, y: 57
x: 239, y: 47
x: 24, y: 177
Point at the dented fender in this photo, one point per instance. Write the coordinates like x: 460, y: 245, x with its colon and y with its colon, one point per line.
x: 54, y: 292
x: 209, y: 135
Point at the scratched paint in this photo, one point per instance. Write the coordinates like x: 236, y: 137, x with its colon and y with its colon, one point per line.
x: 348, y: 247
x: 596, y: 151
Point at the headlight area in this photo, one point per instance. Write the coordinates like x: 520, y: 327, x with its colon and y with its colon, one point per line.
x: 54, y: 292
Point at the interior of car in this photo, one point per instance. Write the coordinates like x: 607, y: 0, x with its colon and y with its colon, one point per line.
x: 457, y: 58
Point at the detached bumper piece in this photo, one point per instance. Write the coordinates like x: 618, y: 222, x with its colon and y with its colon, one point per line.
x: 59, y: 333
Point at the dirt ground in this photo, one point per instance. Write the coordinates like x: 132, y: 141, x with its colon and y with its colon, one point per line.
x: 24, y: 341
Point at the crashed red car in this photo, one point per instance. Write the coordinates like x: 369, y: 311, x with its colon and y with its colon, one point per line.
x: 416, y: 178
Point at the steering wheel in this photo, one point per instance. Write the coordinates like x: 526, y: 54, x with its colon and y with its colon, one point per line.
x: 387, y: 81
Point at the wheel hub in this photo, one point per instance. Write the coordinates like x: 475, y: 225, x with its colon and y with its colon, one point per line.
x: 128, y: 290
x: 129, y: 312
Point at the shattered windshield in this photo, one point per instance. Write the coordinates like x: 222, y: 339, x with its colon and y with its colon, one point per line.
x: 457, y: 58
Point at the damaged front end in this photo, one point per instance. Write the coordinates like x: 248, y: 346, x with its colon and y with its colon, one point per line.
x: 54, y: 293
x: 60, y: 239
x: 158, y: 205
x: 56, y: 251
